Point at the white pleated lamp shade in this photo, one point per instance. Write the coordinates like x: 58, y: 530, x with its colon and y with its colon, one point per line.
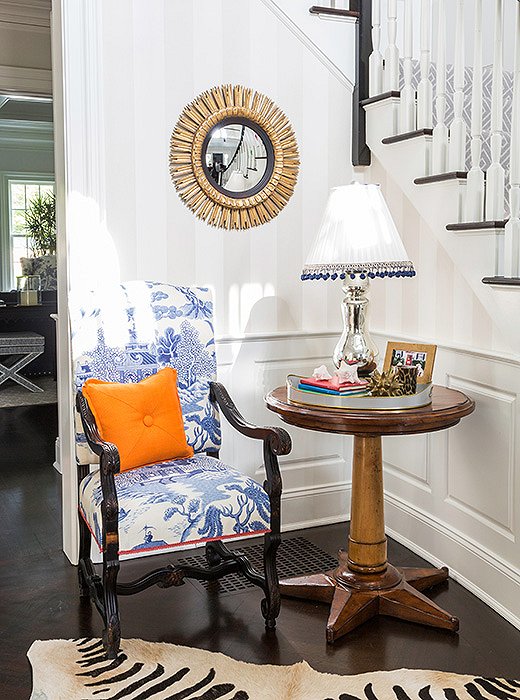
x: 357, y: 236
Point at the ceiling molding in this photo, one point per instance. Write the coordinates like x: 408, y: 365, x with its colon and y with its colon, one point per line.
x: 29, y: 13
x: 26, y: 81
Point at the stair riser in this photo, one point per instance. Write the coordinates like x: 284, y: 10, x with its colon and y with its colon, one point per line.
x: 382, y: 119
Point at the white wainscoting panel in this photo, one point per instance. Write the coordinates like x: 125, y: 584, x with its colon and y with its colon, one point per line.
x: 408, y: 458
x: 480, y: 468
x: 317, y: 472
x: 453, y: 496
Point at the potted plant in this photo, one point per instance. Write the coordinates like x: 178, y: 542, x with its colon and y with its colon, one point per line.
x: 40, y: 222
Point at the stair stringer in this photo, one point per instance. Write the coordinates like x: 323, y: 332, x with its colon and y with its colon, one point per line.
x: 440, y: 204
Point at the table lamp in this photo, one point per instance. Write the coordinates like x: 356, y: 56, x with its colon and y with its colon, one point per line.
x: 357, y: 241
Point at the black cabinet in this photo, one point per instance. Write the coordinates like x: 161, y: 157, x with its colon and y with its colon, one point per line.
x: 33, y: 318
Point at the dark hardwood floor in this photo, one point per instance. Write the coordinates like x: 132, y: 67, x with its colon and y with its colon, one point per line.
x: 38, y: 593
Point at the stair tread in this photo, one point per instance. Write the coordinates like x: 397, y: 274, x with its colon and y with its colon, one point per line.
x: 442, y: 177
x: 333, y: 11
x: 380, y: 98
x: 407, y: 135
x: 503, y: 281
x: 473, y: 225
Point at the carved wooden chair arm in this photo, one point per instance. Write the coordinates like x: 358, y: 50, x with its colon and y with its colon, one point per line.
x: 276, y: 439
x: 107, y: 452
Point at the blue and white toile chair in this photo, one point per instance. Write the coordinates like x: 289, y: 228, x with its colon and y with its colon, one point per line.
x: 125, y: 336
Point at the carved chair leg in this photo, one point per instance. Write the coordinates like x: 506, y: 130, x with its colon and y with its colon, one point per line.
x: 271, y: 602
x: 84, y: 556
x: 112, y: 631
x: 213, y: 556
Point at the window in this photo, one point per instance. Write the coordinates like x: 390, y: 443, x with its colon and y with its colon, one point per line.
x: 20, y: 193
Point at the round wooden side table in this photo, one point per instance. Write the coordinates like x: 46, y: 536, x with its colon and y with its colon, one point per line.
x: 365, y: 584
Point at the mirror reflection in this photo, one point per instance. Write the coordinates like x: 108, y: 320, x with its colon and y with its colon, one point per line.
x: 236, y: 157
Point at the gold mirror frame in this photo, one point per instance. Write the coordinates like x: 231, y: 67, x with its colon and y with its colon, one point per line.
x: 186, y: 170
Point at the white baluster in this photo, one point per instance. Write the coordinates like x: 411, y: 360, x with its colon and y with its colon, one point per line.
x: 495, y: 179
x: 425, y: 89
x: 512, y: 233
x: 474, y: 209
x: 407, y: 104
x: 440, y: 132
x: 457, y: 145
x: 375, y: 60
x: 391, y: 72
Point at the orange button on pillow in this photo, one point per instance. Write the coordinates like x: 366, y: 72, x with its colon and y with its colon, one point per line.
x: 144, y: 420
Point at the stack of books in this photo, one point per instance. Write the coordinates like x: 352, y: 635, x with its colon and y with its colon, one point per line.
x: 331, y: 386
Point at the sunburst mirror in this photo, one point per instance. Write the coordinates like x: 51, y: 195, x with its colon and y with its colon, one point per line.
x: 234, y: 157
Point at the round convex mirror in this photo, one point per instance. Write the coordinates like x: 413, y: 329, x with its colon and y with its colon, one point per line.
x: 234, y: 157
x: 237, y: 157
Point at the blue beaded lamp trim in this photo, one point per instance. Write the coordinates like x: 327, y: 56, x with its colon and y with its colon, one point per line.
x: 361, y: 270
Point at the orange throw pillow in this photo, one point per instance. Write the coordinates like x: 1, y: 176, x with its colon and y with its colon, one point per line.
x: 143, y: 420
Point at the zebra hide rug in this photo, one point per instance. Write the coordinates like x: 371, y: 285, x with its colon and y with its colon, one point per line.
x: 77, y: 670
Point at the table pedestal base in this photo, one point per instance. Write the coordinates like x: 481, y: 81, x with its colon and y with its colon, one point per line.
x: 355, y: 598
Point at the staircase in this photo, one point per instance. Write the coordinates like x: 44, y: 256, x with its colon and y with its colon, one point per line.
x: 447, y: 130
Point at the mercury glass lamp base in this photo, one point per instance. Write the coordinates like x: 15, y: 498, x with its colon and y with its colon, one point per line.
x: 355, y: 347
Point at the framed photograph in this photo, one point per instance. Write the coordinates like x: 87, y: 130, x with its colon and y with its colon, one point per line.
x: 411, y: 355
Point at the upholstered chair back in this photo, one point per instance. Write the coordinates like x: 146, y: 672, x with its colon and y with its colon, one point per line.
x: 129, y: 331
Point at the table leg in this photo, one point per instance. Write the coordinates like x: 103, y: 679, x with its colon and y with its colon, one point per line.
x: 364, y: 584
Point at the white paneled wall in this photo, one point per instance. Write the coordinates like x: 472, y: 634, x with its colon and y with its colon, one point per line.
x: 451, y: 495
x: 316, y: 474
x: 153, y: 59
x: 157, y: 59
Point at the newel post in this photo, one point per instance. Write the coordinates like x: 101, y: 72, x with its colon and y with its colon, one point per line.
x: 360, y: 149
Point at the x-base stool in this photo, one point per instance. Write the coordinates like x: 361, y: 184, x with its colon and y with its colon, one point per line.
x: 25, y: 343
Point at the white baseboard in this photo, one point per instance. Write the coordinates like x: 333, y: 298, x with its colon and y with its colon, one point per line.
x: 448, y: 547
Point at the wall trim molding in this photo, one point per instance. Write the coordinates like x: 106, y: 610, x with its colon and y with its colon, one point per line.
x: 77, y: 67
x: 314, y: 490
x: 308, y: 43
x: 26, y: 135
x: 490, y: 355
x: 274, y: 335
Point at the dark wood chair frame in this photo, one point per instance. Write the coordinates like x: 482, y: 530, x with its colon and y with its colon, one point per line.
x: 103, y: 590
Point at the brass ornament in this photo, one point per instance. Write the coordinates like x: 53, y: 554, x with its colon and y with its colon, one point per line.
x: 384, y: 384
x: 187, y: 173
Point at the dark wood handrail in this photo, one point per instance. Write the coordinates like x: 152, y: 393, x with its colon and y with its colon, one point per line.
x: 333, y: 11
x: 360, y: 149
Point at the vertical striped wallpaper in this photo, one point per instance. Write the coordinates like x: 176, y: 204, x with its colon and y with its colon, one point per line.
x: 157, y: 57
x: 160, y: 55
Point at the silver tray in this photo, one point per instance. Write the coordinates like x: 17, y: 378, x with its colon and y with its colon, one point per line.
x: 423, y: 397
